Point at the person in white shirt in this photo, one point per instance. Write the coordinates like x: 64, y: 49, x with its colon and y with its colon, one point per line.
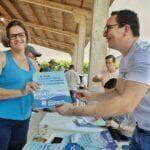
x: 73, y: 81
x: 108, y: 74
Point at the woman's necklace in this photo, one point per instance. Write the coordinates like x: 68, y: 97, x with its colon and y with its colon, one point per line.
x: 22, y: 63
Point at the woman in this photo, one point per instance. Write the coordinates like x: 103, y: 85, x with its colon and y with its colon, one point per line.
x: 16, y: 87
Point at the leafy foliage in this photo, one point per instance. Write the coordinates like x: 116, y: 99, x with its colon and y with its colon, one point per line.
x: 63, y: 65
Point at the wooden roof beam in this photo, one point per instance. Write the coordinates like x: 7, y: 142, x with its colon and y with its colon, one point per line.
x: 47, y: 45
x: 60, y: 44
x: 4, y: 13
x: 11, y: 10
x: 61, y: 7
x: 49, y: 29
x: 55, y: 42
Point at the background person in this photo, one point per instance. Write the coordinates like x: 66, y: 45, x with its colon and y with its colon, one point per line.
x: 31, y: 52
x: 73, y: 81
x: 83, y: 81
x: 110, y: 73
x: 51, y: 66
x: 16, y: 87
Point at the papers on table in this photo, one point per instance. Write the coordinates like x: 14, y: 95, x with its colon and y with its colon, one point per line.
x: 90, y: 138
x: 54, y: 121
x: 92, y: 121
x: 94, y: 141
x: 89, y: 122
x: 43, y: 146
x: 84, y: 140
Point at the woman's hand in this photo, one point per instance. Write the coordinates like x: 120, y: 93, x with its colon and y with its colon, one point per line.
x: 30, y: 87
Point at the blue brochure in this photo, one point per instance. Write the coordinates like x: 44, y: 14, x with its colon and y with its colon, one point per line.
x: 89, y: 122
x: 73, y: 146
x: 53, y: 89
x: 95, y: 141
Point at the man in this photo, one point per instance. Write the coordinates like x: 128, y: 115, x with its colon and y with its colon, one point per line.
x: 132, y: 95
x: 110, y: 73
x: 31, y: 52
x: 73, y: 81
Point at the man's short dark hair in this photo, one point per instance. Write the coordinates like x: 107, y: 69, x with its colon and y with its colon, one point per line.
x: 128, y: 17
x: 111, y: 57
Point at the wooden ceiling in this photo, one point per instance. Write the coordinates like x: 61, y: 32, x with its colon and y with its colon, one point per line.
x: 50, y: 23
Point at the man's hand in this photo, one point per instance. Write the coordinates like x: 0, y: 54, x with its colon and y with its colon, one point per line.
x: 83, y: 95
x: 65, y: 109
x: 30, y: 87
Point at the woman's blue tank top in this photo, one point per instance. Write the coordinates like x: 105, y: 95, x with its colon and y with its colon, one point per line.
x: 13, y: 77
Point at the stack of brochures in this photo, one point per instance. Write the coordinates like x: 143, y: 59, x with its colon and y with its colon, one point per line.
x: 95, y: 141
x: 42, y: 146
x: 78, y: 141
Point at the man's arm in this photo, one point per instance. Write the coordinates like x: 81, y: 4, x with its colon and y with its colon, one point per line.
x: 96, y: 96
x: 122, y: 103
x: 102, y: 96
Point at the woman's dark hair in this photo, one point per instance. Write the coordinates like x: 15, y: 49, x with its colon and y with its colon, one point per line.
x: 16, y: 23
x: 128, y: 17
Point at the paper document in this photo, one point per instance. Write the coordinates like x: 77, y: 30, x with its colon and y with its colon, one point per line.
x: 89, y: 121
x: 53, y: 89
x: 94, y: 141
